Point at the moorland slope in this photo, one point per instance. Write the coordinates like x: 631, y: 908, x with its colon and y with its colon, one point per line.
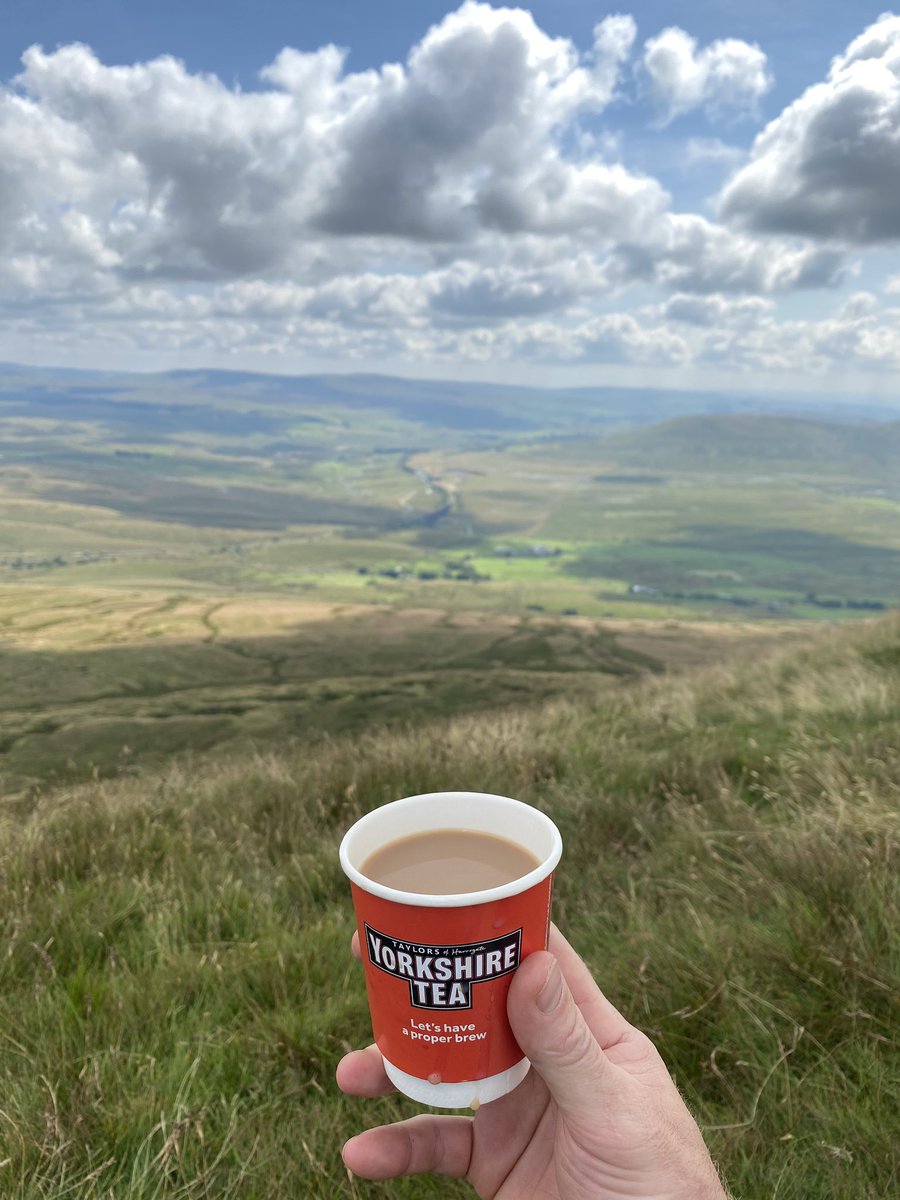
x: 177, y: 987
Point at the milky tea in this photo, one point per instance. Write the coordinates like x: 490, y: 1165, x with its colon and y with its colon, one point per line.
x: 448, y: 862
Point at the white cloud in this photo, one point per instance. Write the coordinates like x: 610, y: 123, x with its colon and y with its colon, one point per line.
x: 465, y: 205
x: 829, y: 166
x: 619, y: 338
x: 466, y: 137
x: 365, y: 319
x: 716, y: 311
x: 841, y: 342
x: 858, y: 304
x: 614, y: 40
x: 687, y: 252
x: 728, y: 73
x: 182, y: 178
x: 857, y: 338
x: 466, y: 292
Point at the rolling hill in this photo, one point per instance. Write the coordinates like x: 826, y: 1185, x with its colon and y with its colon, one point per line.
x: 482, y: 411
x: 756, y: 442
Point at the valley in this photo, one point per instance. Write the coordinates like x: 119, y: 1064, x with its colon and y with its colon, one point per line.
x: 236, y: 613
x: 206, y: 559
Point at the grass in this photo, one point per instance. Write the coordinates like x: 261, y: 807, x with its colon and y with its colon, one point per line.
x: 176, y: 986
x: 99, y: 682
x: 793, y: 561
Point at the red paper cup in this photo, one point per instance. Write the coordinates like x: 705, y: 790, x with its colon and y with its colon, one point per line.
x: 438, y: 968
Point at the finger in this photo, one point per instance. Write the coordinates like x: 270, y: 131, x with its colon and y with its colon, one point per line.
x: 361, y: 1073
x: 555, y: 1036
x: 425, y: 1144
x: 354, y: 946
x: 603, y: 1019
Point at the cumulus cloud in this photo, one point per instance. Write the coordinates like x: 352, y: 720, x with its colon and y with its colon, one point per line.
x: 688, y: 252
x: 470, y: 203
x: 829, y: 166
x: 181, y: 177
x: 717, y: 311
x: 470, y: 293
x: 743, y: 333
x: 868, y: 343
x: 614, y: 39
x: 465, y: 137
x: 728, y: 73
x: 617, y: 337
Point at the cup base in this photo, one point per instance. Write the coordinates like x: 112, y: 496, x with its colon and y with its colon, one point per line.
x: 470, y: 1094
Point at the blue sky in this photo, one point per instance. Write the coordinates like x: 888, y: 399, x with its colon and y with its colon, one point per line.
x: 702, y: 196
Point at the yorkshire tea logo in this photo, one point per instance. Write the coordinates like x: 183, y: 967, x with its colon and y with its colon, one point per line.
x: 443, y: 976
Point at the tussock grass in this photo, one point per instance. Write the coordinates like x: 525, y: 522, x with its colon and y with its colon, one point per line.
x: 176, y: 985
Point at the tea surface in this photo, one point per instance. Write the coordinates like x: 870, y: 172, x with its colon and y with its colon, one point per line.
x: 448, y: 861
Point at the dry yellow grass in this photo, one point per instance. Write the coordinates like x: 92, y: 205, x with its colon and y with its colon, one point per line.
x: 70, y: 618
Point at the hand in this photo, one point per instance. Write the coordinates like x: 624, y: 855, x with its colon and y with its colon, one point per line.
x: 597, y: 1118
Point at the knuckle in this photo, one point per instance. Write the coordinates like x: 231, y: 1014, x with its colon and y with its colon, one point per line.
x: 571, y: 1042
x: 425, y: 1148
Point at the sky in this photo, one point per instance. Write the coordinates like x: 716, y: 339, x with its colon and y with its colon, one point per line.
x: 696, y: 196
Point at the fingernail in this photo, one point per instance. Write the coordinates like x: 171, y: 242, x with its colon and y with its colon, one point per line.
x: 551, y: 993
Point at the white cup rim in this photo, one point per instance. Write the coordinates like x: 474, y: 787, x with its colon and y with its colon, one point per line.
x: 459, y: 899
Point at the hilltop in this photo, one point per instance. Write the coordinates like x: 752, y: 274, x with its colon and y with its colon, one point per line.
x: 177, y: 986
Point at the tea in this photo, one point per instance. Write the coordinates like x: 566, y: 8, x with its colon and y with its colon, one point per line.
x: 445, y: 862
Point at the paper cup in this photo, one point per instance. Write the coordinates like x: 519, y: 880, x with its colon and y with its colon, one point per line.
x: 438, y: 968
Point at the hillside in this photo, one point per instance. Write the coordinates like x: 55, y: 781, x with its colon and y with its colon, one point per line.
x: 760, y: 514
x: 177, y: 985
x: 101, y: 682
x: 757, y: 442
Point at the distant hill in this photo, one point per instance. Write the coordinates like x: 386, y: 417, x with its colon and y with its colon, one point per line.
x: 479, y: 408
x: 757, y: 442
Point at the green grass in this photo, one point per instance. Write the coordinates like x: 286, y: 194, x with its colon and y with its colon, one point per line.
x: 732, y: 558
x: 176, y: 986
x: 94, y: 683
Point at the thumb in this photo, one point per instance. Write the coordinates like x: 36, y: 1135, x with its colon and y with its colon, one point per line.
x: 552, y: 1032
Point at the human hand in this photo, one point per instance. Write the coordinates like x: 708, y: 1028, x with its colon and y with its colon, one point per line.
x: 597, y: 1118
